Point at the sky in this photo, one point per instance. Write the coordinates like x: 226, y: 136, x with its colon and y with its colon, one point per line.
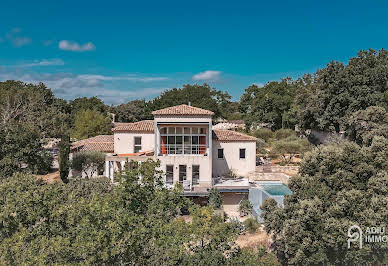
x: 126, y: 50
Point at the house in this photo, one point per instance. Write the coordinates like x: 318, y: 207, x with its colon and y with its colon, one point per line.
x: 190, y: 151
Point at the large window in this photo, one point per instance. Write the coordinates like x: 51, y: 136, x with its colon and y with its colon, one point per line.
x: 242, y: 153
x: 137, y: 144
x: 169, y: 174
x: 195, y: 174
x: 183, y: 140
x: 182, y: 173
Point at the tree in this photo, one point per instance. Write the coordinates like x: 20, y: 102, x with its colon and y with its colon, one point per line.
x: 88, y: 162
x: 363, y: 125
x: 271, y: 103
x: 338, y: 186
x: 63, y: 158
x: 21, y: 150
x: 245, y: 207
x: 93, y: 222
x: 33, y: 106
x: 215, y: 198
x: 326, y: 100
x: 132, y: 111
x: 202, y: 96
x: 90, y: 123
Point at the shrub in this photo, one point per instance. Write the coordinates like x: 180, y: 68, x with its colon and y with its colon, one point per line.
x: 245, y: 207
x: 215, y: 198
x: 88, y: 162
x: 263, y: 133
x: 251, y: 225
x: 284, y: 133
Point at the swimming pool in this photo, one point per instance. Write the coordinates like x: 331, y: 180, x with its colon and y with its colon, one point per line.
x: 267, y: 189
x: 275, y: 188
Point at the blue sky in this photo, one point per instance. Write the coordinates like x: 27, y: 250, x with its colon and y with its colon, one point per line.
x: 123, y: 50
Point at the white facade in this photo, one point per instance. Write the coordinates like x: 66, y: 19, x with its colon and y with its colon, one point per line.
x: 186, y: 148
x: 231, y: 159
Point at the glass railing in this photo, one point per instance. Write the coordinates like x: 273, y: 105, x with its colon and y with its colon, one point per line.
x: 183, y: 149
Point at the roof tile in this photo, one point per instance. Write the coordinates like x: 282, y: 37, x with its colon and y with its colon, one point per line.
x: 183, y: 109
x: 140, y: 126
x: 103, y: 143
x: 230, y: 135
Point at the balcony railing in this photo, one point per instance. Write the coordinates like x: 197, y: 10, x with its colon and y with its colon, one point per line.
x: 183, y: 149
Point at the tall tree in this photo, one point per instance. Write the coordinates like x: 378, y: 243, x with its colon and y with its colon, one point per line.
x: 327, y: 100
x: 271, y: 104
x: 21, y: 150
x: 132, y: 111
x: 338, y: 186
x: 90, y: 123
x: 63, y: 158
x: 33, y: 106
x: 363, y: 125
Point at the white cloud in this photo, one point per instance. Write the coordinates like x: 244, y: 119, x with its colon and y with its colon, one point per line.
x: 209, y: 75
x: 16, y: 39
x: 127, y: 77
x: 75, y: 47
x: 44, y: 62
x: 259, y: 84
x: 70, y: 86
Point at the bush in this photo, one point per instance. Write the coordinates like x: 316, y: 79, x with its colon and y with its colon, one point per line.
x: 251, y: 225
x: 284, y: 133
x: 215, y: 198
x: 245, y: 207
x: 88, y: 162
x: 263, y: 133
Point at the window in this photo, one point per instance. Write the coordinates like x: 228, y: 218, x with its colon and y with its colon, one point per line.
x: 183, y: 140
x: 195, y: 174
x: 169, y: 174
x: 182, y: 173
x: 137, y: 146
x: 220, y: 154
x: 242, y: 153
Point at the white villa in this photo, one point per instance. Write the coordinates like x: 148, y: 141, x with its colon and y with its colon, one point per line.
x: 189, y: 150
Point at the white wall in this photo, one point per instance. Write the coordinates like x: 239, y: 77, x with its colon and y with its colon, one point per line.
x: 190, y: 160
x: 232, y: 158
x: 124, y: 141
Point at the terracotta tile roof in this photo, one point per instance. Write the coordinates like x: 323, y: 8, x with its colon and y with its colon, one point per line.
x: 140, y: 126
x: 183, y: 109
x: 103, y: 143
x: 230, y: 135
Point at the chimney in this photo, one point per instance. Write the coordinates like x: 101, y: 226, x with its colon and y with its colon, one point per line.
x: 189, y: 103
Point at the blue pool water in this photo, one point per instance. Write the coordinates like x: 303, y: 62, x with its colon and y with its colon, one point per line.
x: 275, y: 189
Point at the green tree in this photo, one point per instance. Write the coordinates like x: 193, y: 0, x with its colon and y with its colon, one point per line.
x: 63, y: 158
x: 338, y: 185
x: 93, y: 222
x: 90, y: 123
x: 363, y: 125
x: 132, y: 111
x: 215, y: 198
x: 271, y: 104
x: 33, y: 106
x: 88, y: 162
x: 245, y: 207
x: 326, y: 100
x: 21, y: 150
